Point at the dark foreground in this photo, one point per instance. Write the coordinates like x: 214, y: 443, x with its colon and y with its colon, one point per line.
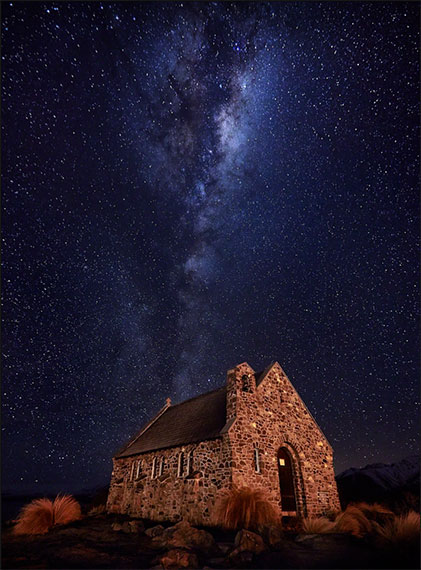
x: 112, y: 542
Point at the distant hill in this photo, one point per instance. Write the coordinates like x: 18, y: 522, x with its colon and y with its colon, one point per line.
x: 395, y: 484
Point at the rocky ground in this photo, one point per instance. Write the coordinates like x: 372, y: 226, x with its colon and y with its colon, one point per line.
x: 108, y: 541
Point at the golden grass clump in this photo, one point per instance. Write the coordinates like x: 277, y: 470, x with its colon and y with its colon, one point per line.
x: 98, y: 510
x: 403, y: 530
x: 319, y: 525
x: 35, y: 518
x: 361, y: 519
x: 245, y: 508
x: 42, y: 514
x: 66, y: 509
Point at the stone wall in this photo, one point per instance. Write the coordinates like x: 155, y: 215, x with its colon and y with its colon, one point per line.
x: 167, y: 496
x: 272, y: 416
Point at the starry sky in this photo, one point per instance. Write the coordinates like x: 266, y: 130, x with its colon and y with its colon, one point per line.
x: 187, y: 186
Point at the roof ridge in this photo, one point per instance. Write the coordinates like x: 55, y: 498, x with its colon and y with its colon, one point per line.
x: 196, y: 397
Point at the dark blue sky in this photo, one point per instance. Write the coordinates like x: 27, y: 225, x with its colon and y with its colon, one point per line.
x: 190, y: 185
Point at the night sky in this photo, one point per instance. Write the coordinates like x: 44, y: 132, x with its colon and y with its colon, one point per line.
x: 188, y: 186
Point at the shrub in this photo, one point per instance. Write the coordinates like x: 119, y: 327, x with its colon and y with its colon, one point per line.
x: 320, y: 525
x: 361, y: 519
x: 35, y: 518
x: 353, y: 521
x: 41, y: 514
x: 245, y: 508
x: 402, y: 530
x: 97, y: 510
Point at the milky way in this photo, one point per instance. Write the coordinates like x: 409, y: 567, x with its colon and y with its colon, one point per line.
x: 188, y: 186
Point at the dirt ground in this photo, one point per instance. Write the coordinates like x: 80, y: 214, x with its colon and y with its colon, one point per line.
x: 93, y: 543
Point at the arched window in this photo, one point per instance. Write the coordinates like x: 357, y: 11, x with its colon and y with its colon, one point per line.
x: 180, y: 466
x: 161, y: 466
x: 132, y: 471
x: 256, y: 460
x: 189, y: 467
x: 153, y: 474
x: 246, y: 383
x: 139, y: 469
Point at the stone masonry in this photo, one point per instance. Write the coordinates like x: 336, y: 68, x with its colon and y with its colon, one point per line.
x: 263, y: 413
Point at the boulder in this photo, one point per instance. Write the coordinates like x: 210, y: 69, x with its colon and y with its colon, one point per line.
x: 241, y: 559
x: 154, y: 531
x: 245, y: 540
x: 117, y: 527
x: 136, y: 526
x: 179, y: 558
x: 273, y: 536
x: 225, y: 547
x: 183, y: 535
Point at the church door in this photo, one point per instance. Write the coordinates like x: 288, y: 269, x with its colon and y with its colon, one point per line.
x: 286, y: 480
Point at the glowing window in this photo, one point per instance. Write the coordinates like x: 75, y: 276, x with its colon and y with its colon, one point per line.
x: 282, y: 462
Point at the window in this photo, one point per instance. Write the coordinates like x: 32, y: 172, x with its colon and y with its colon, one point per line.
x: 246, y: 383
x: 153, y: 474
x: 189, y: 463
x: 256, y: 460
x: 161, y: 466
x: 282, y: 462
x: 132, y: 471
x: 180, y: 464
x: 139, y: 469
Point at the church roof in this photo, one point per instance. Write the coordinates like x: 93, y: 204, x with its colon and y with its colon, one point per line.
x: 194, y: 420
x: 260, y: 375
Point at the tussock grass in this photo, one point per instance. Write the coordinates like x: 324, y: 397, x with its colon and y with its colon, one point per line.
x: 40, y: 515
x: 245, y: 508
x: 98, y: 510
x: 353, y: 521
x: 319, y: 525
x: 403, y: 530
x: 375, y: 521
x: 362, y: 519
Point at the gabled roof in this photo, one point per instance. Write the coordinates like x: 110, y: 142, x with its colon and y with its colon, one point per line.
x: 194, y: 420
x: 260, y: 375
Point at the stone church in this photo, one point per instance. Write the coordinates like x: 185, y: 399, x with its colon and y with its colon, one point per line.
x: 254, y: 432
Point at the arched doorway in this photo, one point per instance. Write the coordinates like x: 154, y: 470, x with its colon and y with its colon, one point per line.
x: 286, y: 481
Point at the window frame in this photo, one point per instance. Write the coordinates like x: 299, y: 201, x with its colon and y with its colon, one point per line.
x: 257, y: 468
x: 189, y: 463
x: 180, y: 464
x: 132, y: 471
x: 153, y: 474
x: 138, y: 469
x: 161, y: 466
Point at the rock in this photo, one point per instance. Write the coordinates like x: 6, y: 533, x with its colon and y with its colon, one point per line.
x: 183, y: 535
x: 154, y: 531
x: 225, y: 547
x: 136, y: 526
x: 179, y: 558
x: 241, y: 559
x: 245, y: 540
x: 117, y: 527
x: 273, y: 535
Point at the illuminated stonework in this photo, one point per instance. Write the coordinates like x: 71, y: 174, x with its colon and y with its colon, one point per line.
x: 267, y: 439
